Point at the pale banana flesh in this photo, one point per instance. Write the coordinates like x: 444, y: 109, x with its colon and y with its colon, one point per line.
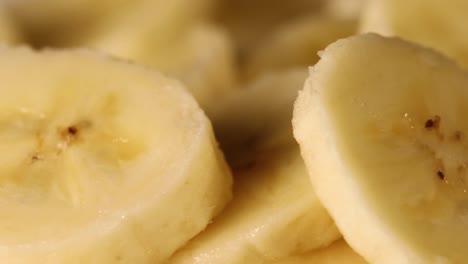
x: 172, y: 37
x: 442, y: 25
x: 337, y: 253
x: 381, y: 125
x: 61, y: 22
x: 9, y: 31
x: 102, y: 161
x: 295, y: 44
x: 346, y: 9
x: 274, y: 214
x: 249, y: 21
x: 148, y: 24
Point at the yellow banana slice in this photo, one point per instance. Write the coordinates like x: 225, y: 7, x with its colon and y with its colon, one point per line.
x: 9, y: 31
x: 337, y: 253
x: 274, y: 213
x: 61, y: 22
x: 250, y: 21
x: 297, y: 43
x: 381, y: 125
x: 168, y: 36
x: 350, y: 9
x: 102, y: 162
x: 442, y: 25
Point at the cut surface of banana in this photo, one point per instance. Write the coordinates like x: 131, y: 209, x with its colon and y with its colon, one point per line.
x: 381, y: 125
x: 337, y: 253
x: 201, y: 55
x: 296, y: 43
x: 274, y: 214
x: 102, y: 161
x: 442, y: 25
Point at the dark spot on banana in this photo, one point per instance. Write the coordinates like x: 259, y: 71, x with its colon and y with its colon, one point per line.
x: 441, y: 174
x: 72, y: 130
x: 433, y: 122
x: 458, y: 136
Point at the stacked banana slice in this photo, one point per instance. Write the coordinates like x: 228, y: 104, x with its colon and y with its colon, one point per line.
x: 442, y: 25
x: 381, y: 128
x: 296, y: 43
x: 102, y: 162
x: 173, y: 37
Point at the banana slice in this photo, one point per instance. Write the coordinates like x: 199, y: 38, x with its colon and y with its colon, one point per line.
x: 202, y: 58
x: 148, y: 25
x: 338, y: 252
x: 381, y: 127
x: 297, y: 43
x: 442, y: 25
x: 274, y: 214
x: 257, y: 118
x: 102, y: 162
x: 248, y: 21
x: 351, y: 9
x: 169, y: 37
x: 59, y: 22
x: 9, y: 32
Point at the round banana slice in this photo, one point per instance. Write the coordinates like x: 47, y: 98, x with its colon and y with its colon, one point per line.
x: 102, y: 162
x: 297, y: 43
x: 442, y: 25
x: 338, y: 252
x: 381, y: 125
x: 274, y: 214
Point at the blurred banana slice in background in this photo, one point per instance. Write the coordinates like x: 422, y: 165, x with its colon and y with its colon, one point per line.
x: 337, y: 253
x: 250, y: 21
x: 345, y: 9
x: 174, y: 37
x: 274, y: 212
x: 296, y: 44
x: 61, y: 22
x: 442, y: 25
x: 171, y: 37
x: 381, y: 125
x: 10, y: 33
x: 148, y: 25
x: 102, y: 161
x: 201, y: 56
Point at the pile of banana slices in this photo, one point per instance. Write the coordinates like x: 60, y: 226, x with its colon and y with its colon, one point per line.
x: 233, y: 132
